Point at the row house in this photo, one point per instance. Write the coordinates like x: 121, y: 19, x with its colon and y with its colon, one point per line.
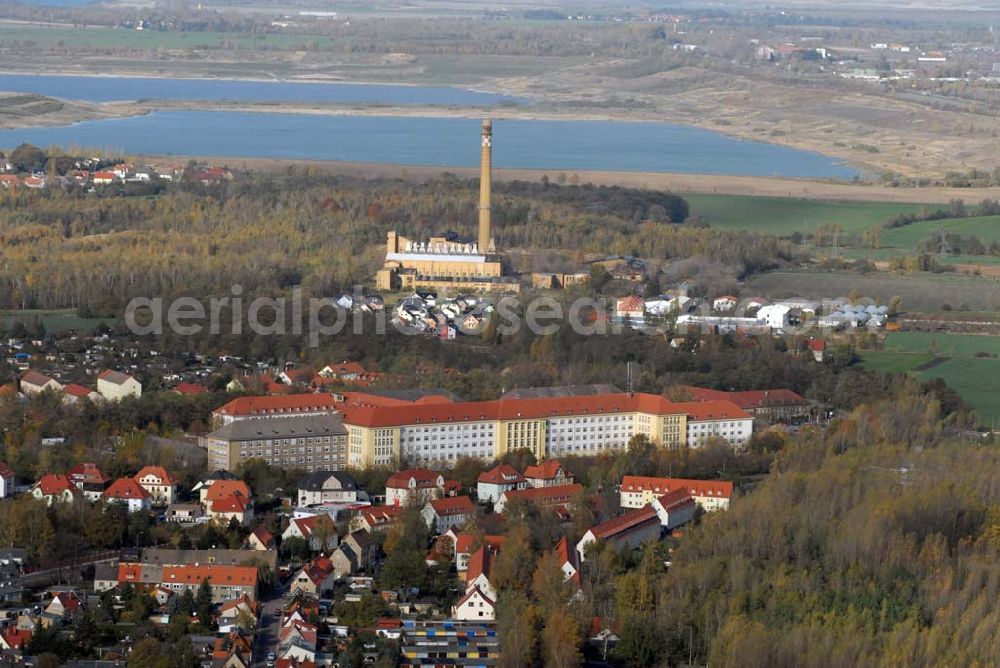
x: 638, y: 491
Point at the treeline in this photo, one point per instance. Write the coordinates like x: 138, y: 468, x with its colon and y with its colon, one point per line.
x: 956, y: 209
x: 325, y: 233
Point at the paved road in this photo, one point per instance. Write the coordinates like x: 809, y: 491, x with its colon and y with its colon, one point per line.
x: 270, y: 618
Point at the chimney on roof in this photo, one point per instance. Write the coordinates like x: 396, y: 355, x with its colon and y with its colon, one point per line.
x: 485, y: 187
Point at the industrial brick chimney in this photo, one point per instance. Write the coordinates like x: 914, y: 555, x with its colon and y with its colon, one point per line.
x: 485, y: 187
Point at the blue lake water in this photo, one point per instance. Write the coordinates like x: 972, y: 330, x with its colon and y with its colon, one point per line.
x: 115, y: 89
x: 446, y: 142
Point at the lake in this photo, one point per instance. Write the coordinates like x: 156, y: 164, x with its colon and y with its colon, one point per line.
x: 117, y: 89
x: 445, y: 142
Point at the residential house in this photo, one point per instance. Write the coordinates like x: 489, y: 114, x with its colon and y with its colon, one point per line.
x: 73, y: 393
x: 115, y: 385
x: 89, y: 479
x: 443, y: 513
x: 314, y: 578
x: 6, y: 480
x: 375, y: 518
x: 548, y: 474
x: 260, y: 539
x: 413, y: 487
x: 474, y: 606
x: 230, y: 508
x: 479, y: 570
x: 161, y: 556
x: 344, y: 561
x: 160, y: 484
x: 318, y: 530
x: 33, y: 382
x: 818, y: 349
x: 542, y: 497
x: 64, y: 605
x: 220, y: 487
x: 56, y: 488
x: 638, y: 491
x: 129, y: 493
x: 328, y: 487
x: 630, y: 308
x: 231, y: 611
x: 362, y: 546
x: 569, y: 561
x: 625, y: 531
x: 499, y: 479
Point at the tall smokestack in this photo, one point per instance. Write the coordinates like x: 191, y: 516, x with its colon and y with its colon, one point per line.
x: 485, y: 186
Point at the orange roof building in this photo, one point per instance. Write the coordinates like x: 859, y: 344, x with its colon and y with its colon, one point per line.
x: 638, y: 491
x: 436, y: 434
x: 286, y: 405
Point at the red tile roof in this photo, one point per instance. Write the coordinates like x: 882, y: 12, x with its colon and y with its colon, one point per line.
x: 722, y: 489
x: 230, y: 504
x: 527, y: 408
x: 87, y: 473
x: 54, y: 483
x: 15, y: 638
x: 277, y: 405
x: 78, y: 391
x: 502, y: 474
x: 35, y: 378
x: 547, y: 470
x: 112, y: 376
x: 553, y: 495
x: 747, y: 400
x: 157, y: 471
x: 243, y: 576
x: 624, y: 523
x: 264, y: 536
x: 453, y: 505
x: 816, y: 345
x: 480, y: 563
x: 190, y: 388
x: 221, y: 489
x: 125, y: 488
x: 424, y: 478
x: 675, y: 499
x: 6, y: 471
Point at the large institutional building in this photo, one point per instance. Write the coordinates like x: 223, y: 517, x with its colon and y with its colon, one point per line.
x: 378, y: 430
x: 441, y: 433
x: 445, y: 261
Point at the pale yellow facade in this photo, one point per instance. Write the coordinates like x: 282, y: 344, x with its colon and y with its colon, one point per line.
x: 378, y: 446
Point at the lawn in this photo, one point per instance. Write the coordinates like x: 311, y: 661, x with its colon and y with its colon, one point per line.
x: 976, y: 380
x: 951, y: 345
x: 784, y: 216
x: 150, y: 39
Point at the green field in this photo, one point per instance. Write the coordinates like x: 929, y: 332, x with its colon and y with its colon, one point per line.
x: 880, y: 360
x: 784, y: 216
x: 976, y: 380
x: 951, y: 345
x: 150, y: 39
x: 56, y: 320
